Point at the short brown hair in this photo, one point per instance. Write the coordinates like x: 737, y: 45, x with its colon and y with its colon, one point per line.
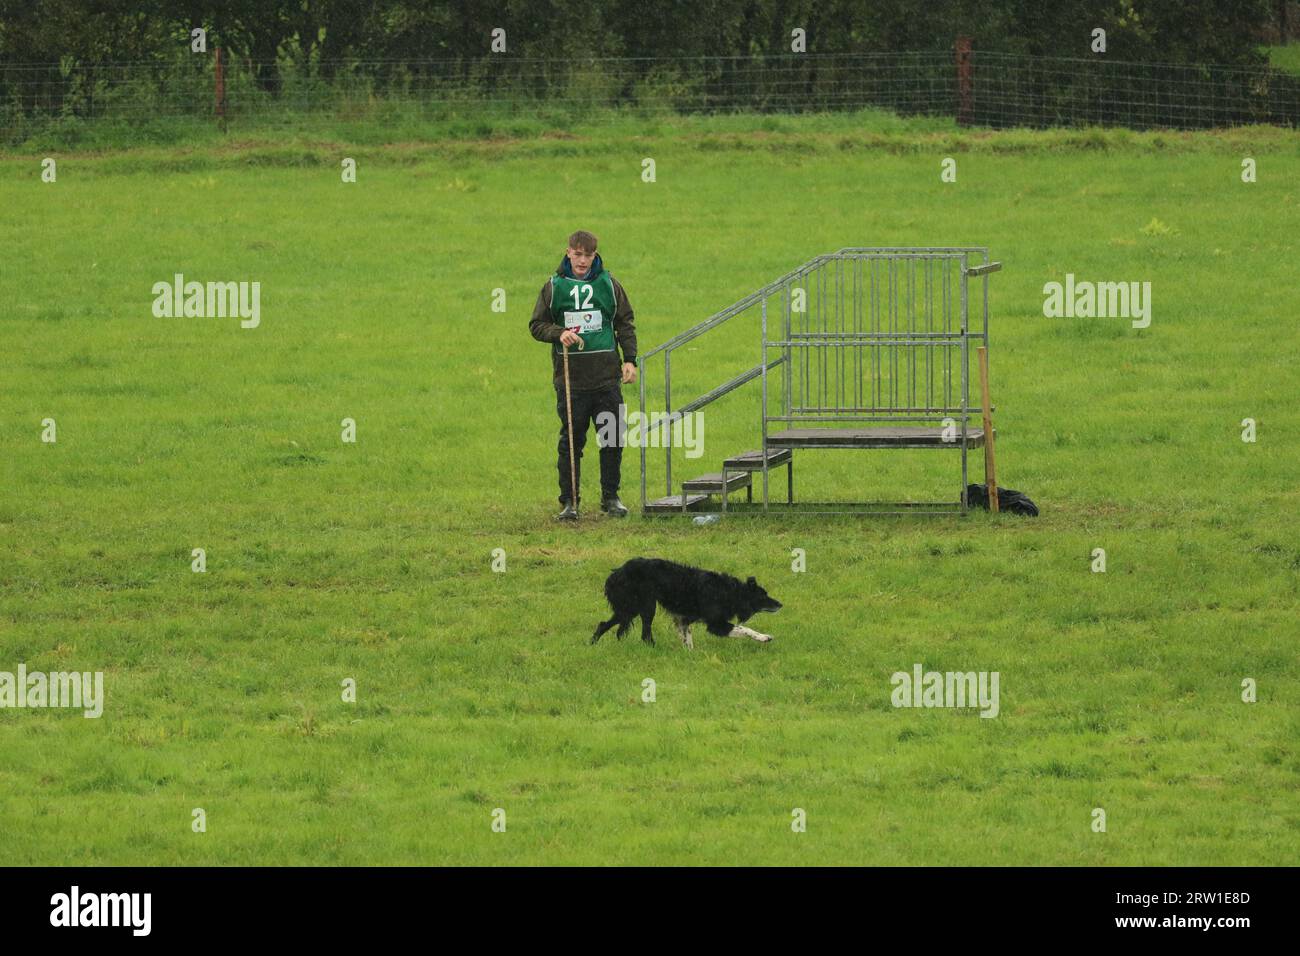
x: 583, y: 241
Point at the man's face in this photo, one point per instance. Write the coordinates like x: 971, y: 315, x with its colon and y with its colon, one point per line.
x: 581, y: 261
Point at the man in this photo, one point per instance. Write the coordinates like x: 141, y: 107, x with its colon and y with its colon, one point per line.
x: 584, y: 307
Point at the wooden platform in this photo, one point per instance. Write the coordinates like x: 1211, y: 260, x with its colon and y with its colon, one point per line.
x: 753, y: 460
x: 673, y: 503
x: 887, y: 437
x: 712, y: 484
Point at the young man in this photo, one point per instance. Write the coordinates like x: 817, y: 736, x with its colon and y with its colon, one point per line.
x: 584, y: 307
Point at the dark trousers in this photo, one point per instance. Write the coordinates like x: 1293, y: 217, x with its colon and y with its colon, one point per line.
x: 586, y: 406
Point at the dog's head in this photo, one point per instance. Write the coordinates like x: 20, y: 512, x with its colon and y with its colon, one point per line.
x: 756, y: 600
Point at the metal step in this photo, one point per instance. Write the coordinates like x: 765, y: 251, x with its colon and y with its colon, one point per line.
x: 674, y: 503
x: 712, y: 484
x: 753, y: 460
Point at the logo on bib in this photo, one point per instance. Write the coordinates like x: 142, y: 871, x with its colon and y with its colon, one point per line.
x: 588, y: 321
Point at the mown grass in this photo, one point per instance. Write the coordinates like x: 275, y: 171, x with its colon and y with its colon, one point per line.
x: 1284, y: 57
x: 477, y: 690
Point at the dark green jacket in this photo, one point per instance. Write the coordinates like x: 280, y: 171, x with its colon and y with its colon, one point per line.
x: 599, y: 370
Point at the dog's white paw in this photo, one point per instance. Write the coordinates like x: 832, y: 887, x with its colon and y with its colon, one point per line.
x: 762, y: 638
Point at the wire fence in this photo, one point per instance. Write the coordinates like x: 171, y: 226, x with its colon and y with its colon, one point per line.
x: 976, y: 88
x: 1013, y: 90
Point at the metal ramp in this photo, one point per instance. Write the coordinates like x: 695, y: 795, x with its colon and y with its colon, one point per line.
x: 864, y: 348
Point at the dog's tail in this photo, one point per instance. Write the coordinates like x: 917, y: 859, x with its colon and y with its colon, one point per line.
x: 619, y: 592
x: 618, y: 588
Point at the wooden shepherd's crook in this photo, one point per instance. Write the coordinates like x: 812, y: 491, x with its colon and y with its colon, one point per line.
x: 568, y: 408
x: 990, y: 468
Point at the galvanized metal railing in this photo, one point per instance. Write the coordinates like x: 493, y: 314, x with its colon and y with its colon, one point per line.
x: 679, y: 340
x: 866, y: 335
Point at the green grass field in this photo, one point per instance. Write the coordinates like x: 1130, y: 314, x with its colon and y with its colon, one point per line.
x: 478, y: 690
x: 1285, y: 57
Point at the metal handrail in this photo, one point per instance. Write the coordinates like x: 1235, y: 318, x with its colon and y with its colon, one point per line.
x: 934, y: 252
x: 732, y: 310
x: 730, y: 386
x: 694, y: 332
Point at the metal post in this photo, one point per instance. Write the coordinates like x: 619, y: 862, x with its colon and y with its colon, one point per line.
x: 640, y: 374
x: 965, y: 383
x: 668, y: 449
x: 789, y: 471
x: 788, y: 372
x: 986, y: 306
x: 762, y: 360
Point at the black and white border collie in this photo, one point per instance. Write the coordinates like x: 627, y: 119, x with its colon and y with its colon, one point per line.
x: 688, y: 594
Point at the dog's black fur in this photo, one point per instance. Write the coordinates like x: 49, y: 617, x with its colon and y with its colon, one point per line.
x: 688, y: 594
x: 1008, y: 500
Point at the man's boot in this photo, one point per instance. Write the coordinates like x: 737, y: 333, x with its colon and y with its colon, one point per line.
x: 570, y: 512
x: 613, y: 507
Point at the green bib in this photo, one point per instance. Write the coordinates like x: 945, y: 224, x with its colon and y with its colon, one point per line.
x: 588, y: 308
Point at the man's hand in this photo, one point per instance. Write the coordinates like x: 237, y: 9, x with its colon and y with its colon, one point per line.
x: 569, y: 337
x: 629, y: 373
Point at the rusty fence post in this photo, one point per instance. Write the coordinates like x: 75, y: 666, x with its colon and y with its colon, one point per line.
x: 220, y: 84
x: 965, y: 88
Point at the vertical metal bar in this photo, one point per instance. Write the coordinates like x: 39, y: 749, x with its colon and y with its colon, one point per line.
x: 986, y: 304
x: 911, y: 328
x: 668, y: 403
x: 929, y: 328
x: 786, y: 370
x: 804, y: 349
x: 964, y: 503
x: 839, y: 327
x: 875, y: 327
x: 857, y: 328
x: 947, y: 328
x: 965, y: 382
x: 762, y: 361
x: 893, y: 327
x: 640, y: 374
x: 823, y: 328
x: 988, y: 432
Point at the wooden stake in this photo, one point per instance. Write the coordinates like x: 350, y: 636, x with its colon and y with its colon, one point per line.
x: 219, y: 77
x: 568, y: 408
x: 990, y: 469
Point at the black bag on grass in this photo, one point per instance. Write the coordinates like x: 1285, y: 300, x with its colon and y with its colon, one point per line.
x: 1008, y: 500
